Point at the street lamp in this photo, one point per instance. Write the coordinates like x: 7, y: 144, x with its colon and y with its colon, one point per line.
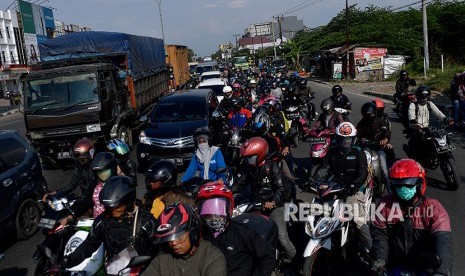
x: 161, y: 19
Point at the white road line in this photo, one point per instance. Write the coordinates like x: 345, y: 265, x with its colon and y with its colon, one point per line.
x: 12, y: 122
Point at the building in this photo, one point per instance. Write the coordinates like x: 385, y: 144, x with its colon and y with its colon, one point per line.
x: 10, y: 60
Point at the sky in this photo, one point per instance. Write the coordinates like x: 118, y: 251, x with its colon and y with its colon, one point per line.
x: 202, y: 25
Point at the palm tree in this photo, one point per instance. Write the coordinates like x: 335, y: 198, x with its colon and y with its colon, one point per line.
x: 294, y: 51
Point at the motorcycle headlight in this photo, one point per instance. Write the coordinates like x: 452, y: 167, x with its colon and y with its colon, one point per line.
x: 143, y: 139
x: 442, y: 141
x: 322, y: 228
x: 235, y: 138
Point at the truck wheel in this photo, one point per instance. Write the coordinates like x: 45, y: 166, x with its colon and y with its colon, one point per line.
x: 27, y: 219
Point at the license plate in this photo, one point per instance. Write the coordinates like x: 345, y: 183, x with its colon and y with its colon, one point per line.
x: 317, y: 140
x: 445, y: 148
x: 47, y: 223
x: 292, y: 116
x: 177, y: 161
x: 64, y: 155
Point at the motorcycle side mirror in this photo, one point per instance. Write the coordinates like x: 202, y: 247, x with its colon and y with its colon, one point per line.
x: 143, y: 118
x: 48, y: 252
x: 139, y: 261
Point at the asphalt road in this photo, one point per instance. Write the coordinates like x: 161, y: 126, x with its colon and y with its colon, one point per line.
x: 18, y: 255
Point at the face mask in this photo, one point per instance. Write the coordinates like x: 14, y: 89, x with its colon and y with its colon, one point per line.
x: 203, y: 148
x: 406, y: 193
x: 216, y: 225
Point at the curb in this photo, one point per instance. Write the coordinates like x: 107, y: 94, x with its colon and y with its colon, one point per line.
x: 380, y: 95
x: 10, y: 112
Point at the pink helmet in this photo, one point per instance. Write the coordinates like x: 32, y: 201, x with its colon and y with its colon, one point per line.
x: 236, y: 85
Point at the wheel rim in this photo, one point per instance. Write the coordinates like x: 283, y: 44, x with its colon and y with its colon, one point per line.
x: 28, y: 218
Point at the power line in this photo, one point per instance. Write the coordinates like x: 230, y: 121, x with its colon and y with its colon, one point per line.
x: 303, y: 7
x: 409, y: 5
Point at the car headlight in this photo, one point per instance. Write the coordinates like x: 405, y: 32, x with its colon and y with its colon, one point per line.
x: 143, y: 139
x: 93, y: 128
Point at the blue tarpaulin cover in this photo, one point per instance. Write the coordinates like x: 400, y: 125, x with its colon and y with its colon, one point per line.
x: 146, y: 55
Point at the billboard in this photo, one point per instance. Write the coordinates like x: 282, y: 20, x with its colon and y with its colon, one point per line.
x: 32, y: 51
x: 369, y: 59
x: 27, y: 17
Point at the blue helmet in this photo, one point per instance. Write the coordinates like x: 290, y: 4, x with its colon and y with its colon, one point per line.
x: 118, y: 147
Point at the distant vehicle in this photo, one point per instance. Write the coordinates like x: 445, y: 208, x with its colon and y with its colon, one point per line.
x: 241, y: 62
x: 192, y: 66
x: 205, y: 67
x: 205, y: 59
x: 210, y: 75
x: 216, y: 85
x: 23, y: 184
x: 278, y: 64
x: 170, y: 126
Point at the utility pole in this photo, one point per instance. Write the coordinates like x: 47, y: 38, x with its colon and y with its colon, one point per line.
x: 161, y: 20
x: 425, y: 36
x: 274, y: 39
x: 347, y: 39
x: 236, y: 36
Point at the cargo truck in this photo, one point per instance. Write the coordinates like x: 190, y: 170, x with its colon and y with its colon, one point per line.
x: 91, y: 84
x: 177, y: 58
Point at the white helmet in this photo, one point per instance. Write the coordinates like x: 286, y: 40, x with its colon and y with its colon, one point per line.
x: 346, y: 136
x: 227, y: 91
x: 252, y: 81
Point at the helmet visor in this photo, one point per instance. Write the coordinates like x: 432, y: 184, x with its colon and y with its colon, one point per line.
x: 345, y: 142
x: 411, y: 181
x: 252, y: 160
x: 104, y: 175
x: 167, y: 237
x: 213, y: 206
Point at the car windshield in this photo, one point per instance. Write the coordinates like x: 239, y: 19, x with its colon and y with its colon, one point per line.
x: 212, y: 76
x: 278, y: 62
x: 217, y: 89
x: 192, y: 68
x: 179, y: 111
x: 239, y: 60
x: 61, y: 91
x: 201, y: 69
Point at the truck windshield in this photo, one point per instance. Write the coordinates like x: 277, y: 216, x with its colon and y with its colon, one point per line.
x: 60, y: 92
x: 179, y: 111
x: 201, y: 69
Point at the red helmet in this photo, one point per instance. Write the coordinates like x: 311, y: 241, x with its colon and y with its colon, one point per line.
x: 255, y: 150
x: 408, y: 172
x: 379, y: 104
x: 214, y: 190
x: 176, y: 220
x: 236, y: 85
x: 84, y: 150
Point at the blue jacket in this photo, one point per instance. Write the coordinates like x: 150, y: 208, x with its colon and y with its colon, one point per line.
x: 216, y: 163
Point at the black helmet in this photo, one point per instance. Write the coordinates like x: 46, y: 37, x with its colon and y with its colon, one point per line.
x: 303, y: 83
x: 203, y: 132
x: 104, y: 165
x: 266, y: 90
x: 422, y: 93
x: 403, y: 73
x: 369, y: 110
x: 291, y: 89
x: 164, y: 171
x: 336, y: 89
x: 176, y: 220
x: 117, y: 190
x: 292, y: 78
x: 327, y: 105
x: 237, y: 102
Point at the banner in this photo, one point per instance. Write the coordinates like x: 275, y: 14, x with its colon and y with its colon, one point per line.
x: 369, y: 59
x: 27, y: 17
x: 39, y: 23
x: 32, y: 51
x: 48, y: 18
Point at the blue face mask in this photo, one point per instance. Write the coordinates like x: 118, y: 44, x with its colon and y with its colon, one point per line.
x: 406, y: 193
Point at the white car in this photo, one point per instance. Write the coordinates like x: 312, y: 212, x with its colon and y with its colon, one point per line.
x: 216, y: 85
x: 210, y: 75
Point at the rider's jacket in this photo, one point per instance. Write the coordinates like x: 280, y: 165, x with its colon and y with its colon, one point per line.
x: 245, y: 251
x: 400, y: 233
x: 83, y: 177
x: 419, y: 114
x: 303, y: 92
x: 341, y: 102
x: 369, y: 129
x: 239, y: 118
x: 267, y: 176
x: 348, y: 168
x: 116, y: 236
x: 328, y: 121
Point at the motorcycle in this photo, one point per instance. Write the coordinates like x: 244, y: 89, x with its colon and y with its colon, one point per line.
x: 62, y: 240
x: 401, y: 106
x: 332, y: 235
x: 320, y: 141
x: 299, y: 124
x: 344, y: 112
x: 438, y: 153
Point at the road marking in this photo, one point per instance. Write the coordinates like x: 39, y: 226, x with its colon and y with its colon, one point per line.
x: 12, y: 122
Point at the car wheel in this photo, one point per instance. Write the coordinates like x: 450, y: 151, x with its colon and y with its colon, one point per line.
x: 27, y: 219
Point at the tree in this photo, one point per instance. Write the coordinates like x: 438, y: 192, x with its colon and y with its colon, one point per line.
x: 293, y: 52
x: 190, y: 54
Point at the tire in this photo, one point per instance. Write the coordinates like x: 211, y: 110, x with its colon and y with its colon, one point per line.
x: 317, y: 264
x: 27, y: 219
x: 451, y: 173
x: 41, y: 266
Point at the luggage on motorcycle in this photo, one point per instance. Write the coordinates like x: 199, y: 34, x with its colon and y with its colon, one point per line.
x: 262, y: 225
